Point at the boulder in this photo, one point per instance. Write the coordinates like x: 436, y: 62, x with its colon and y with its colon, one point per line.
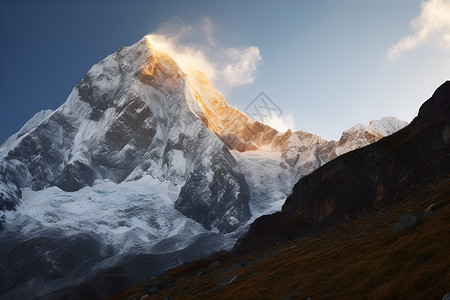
x: 407, y: 221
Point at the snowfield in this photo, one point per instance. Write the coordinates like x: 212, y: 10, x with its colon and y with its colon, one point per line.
x: 62, y: 238
x: 130, y: 216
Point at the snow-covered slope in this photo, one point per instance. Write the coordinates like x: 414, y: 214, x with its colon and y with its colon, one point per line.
x: 59, y: 238
x: 28, y: 126
x: 388, y: 125
x: 269, y: 182
x: 132, y: 214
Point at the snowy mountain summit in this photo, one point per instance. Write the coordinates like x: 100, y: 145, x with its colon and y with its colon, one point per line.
x: 128, y: 117
x: 136, y: 113
x: 145, y: 164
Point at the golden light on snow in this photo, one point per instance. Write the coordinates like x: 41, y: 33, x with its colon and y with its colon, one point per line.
x: 197, y: 69
x: 217, y: 115
x: 214, y: 111
x: 189, y: 59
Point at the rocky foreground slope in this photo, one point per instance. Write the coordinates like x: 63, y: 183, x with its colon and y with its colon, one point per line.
x: 371, y: 224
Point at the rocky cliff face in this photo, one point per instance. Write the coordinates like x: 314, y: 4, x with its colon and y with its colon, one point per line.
x: 392, y: 168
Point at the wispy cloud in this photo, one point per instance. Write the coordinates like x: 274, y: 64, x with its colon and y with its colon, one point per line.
x: 208, y: 28
x: 432, y: 26
x: 195, y: 46
x: 241, y: 66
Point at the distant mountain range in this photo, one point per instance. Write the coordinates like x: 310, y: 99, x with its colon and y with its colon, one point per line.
x: 393, y: 168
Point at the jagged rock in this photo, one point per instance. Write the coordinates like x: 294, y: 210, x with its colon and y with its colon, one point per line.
x: 223, y: 284
x: 136, y: 112
x: 234, y: 267
x: 407, y: 221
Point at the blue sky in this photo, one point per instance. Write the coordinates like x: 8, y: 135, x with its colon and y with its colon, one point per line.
x: 327, y: 64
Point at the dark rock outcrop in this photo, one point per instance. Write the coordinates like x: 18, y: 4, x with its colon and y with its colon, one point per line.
x: 392, y: 168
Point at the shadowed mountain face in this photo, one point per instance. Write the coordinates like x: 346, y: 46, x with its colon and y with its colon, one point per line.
x: 393, y: 168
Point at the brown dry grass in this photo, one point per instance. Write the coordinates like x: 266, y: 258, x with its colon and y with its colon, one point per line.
x: 361, y: 259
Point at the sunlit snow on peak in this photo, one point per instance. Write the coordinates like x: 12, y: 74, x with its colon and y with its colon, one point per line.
x: 189, y: 59
x: 194, y: 46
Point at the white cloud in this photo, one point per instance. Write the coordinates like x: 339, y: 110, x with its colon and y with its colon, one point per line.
x: 208, y: 29
x: 195, y: 47
x: 282, y: 123
x: 242, y: 65
x: 432, y: 26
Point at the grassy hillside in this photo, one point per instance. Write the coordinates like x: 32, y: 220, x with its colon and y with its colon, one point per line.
x: 359, y: 259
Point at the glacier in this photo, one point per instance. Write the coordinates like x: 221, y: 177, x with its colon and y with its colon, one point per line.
x: 60, y: 238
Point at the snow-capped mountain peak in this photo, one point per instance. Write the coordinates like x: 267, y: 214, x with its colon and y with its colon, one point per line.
x: 128, y: 117
x: 96, y: 171
x: 138, y: 113
x: 388, y: 125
